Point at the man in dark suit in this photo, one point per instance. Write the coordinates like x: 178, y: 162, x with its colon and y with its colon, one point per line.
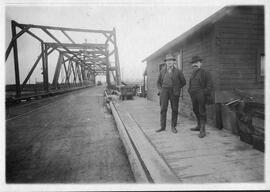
x: 200, y: 87
x: 170, y: 81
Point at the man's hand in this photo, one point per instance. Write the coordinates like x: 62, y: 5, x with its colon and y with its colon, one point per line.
x: 159, y: 89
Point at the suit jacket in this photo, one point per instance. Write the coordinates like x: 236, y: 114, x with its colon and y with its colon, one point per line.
x: 205, y: 80
x: 178, y: 80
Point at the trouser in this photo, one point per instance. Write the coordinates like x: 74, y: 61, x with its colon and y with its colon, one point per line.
x: 198, y: 103
x: 167, y: 94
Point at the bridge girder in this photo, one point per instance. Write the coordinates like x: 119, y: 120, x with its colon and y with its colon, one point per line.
x: 79, y: 61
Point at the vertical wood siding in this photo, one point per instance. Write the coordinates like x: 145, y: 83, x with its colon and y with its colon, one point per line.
x: 200, y: 44
x: 229, y: 49
x: 152, y: 76
x: 239, y: 37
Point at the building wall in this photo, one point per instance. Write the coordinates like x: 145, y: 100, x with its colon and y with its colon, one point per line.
x: 239, y: 39
x: 152, y: 76
x: 230, y: 50
x: 200, y: 44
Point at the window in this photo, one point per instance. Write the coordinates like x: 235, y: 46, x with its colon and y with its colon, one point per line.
x: 161, y: 66
x: 180, y: 60
x: 260, y: 66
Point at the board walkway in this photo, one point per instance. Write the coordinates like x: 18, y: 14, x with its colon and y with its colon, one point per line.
x: 220, y: 157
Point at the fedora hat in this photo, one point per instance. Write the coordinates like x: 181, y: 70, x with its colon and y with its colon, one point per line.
x: 195, y: 59
x: 169, y: 57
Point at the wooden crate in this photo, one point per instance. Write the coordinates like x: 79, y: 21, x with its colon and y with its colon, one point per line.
x: 258, y: 142
x: 229, y: 119
x: 245, y: 132
x: 246, y: 137
x: 259, y: 133
x: 258, y: 125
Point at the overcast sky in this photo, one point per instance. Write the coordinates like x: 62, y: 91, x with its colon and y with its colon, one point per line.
x: 140, y: 30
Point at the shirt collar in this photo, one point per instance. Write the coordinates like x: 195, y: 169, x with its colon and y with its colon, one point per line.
x: 171, y: 68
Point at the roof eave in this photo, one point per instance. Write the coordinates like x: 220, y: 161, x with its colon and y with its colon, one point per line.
x: 210, y: 20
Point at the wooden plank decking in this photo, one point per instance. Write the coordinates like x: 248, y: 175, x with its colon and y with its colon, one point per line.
x: 220, y: 157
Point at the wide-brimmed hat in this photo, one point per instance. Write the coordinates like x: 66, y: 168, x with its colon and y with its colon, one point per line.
x: 195, y: 59
x: 169, y: 57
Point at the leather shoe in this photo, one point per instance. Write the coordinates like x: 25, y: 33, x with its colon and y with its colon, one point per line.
x: 195, y: 129
x: 159, y: 130
x: 202, y: 135
x: 174, y: 130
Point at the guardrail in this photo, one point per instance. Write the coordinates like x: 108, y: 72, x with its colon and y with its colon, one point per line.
x: 45, y: 94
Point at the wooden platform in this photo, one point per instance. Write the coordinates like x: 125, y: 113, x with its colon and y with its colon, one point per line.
x: 220, y: 157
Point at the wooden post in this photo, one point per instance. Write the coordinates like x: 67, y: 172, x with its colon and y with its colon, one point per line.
x: 16, y: 61
x: 218, y: 116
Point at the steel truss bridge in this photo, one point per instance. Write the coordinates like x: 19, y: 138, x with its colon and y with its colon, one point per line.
x: 81, y: 62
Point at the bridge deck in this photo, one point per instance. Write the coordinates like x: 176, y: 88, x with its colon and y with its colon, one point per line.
x: 68, y: 139
x: 219, y: 157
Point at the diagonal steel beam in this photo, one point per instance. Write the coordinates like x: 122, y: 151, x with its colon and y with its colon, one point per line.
x: 13, y: 40
x: 54, y: 38
x: 95, y: 61
x: 32, y: 34
x: 74, y: 74
x: 79, y: 72
x: 68, y: 36
x: 69, y: 70
x: 93, y: 58
x: 65, y: 67
x: 33, y: 68
x: 109, y: 38
x: 49, y: 52
x: 57, y: 70
x: 31, y: 71
x: 70, y: 57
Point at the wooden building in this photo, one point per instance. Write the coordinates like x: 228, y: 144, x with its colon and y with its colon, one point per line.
x: 231, y: 42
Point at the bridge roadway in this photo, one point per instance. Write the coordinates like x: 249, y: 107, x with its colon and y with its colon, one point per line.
x: 65, y: 139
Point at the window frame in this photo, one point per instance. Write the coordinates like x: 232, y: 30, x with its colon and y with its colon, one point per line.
x: 160, y: 66
x: 260, y: 53
x: 180, y: 60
